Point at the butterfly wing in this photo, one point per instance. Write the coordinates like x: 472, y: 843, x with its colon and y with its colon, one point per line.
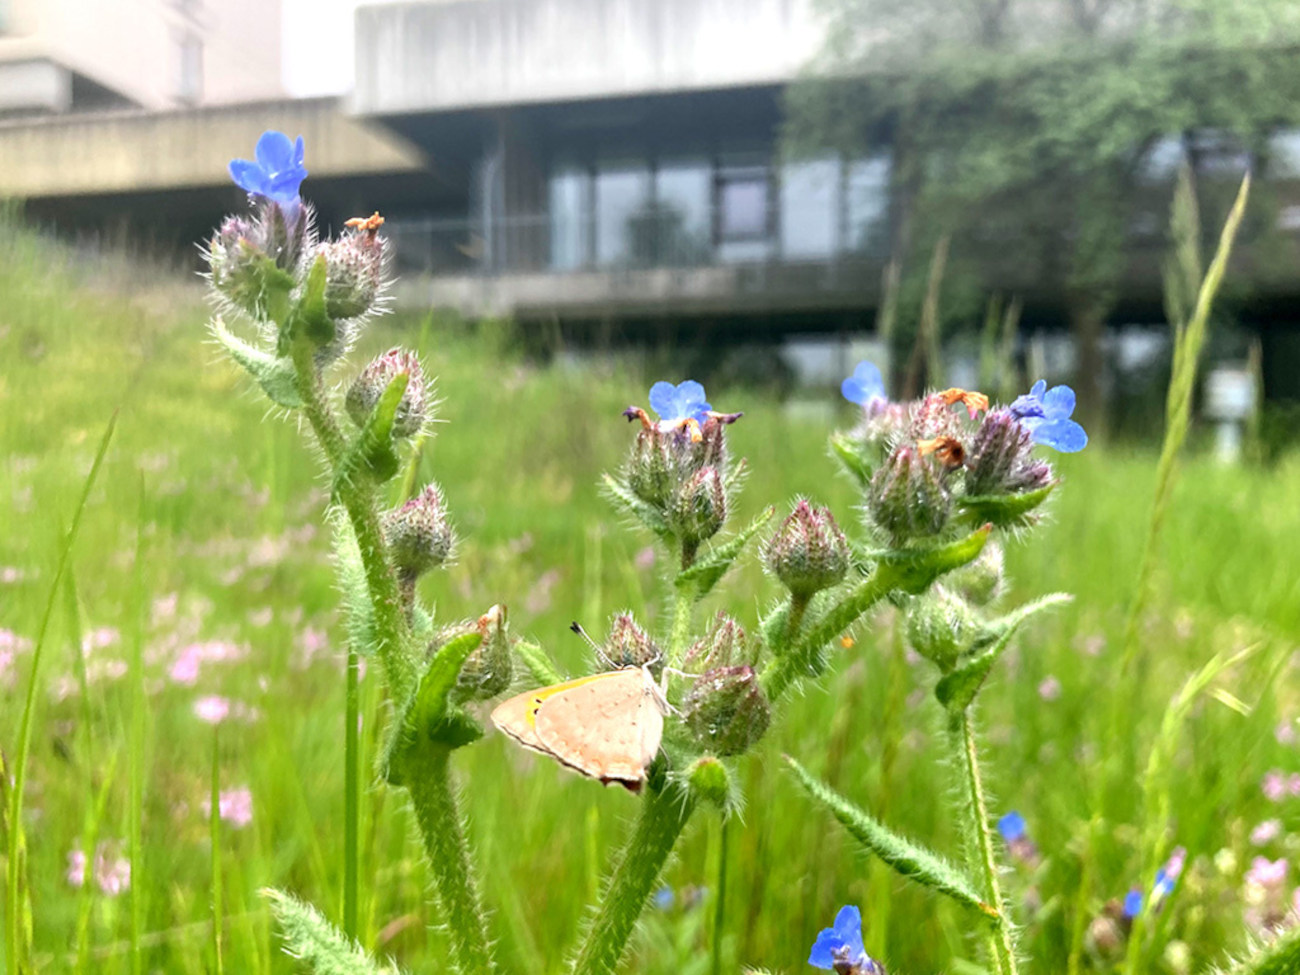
x: 608, y: 727
x: 517, y: 716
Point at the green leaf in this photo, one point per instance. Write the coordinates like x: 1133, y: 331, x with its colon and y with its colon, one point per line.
x: 1004, y: 510
x: 351, y: 572
x: 539, y: 664
x: 429, y: 717
x: 372, y: 452
x: 847, y: 453
x: 324, y: 948
x: 709, y: 568
x: 900, y: 853
x: 911, y: 570
x: 621, y: 495
x: 275, y: 375
x: 957, y: 690
x: 312, y: 318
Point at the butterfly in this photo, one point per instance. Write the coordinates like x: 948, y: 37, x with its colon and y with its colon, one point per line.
x: 607, y: 726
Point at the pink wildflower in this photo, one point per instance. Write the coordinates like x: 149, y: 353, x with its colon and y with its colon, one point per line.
x: 234, y: 806
x: 645, y: 559
x: 212, y: 708
x: 1267, y: 873
x: 1266, y: 832
x: 1273, y: 786
x: 1049, y: 689
x: 113, y: 874
x: 76, y: 868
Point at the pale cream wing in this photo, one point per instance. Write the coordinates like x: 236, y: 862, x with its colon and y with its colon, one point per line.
x: 608, y: 728
x: 517, y: 716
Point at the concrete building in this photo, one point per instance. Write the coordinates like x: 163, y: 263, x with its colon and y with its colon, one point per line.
x: 80, y: 55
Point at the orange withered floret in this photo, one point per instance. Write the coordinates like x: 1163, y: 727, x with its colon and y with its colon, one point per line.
x: 948, y: 450
x: 974, y: 402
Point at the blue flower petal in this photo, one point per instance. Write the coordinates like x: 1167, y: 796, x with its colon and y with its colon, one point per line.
x: 275, y: 151
x: 1012, y: 826
x: 1058, y: 402
x: 864, y: 385
x: 1133, y: 903
x: 1037, y: 390
x: 248, y: 175
x: 283, y: 187
x: 663, y: 399
x: 683, y: 401
x: 1063, y: 435
x: 299, y: 153
x: 848, y: 926
x: 823, y: 949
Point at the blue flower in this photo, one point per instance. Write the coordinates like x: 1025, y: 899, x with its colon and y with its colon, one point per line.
x: 676, y: 404
x: 1012, y: 826
x: 1045, y: 413
x: 864, y: 385
x: 664, y: 897
x: 1133, y: 903
x: 277, y: 172
x: 843, y: 944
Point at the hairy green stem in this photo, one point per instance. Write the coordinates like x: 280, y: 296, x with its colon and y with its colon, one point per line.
x: 432, y: 795
x: 392, y: 631
x: 1002, y: 952
x: 351, y: 794
x: 663, y: 816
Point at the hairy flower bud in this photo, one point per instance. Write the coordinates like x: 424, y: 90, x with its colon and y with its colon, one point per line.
x: 654, y: 469
x: 488, y: 670
x: 369, y: 386
x: 1001, y: 458
x: 933, y: 417
x: 979, y: 582
x: 629, y: 645
x: 940, y: 627
x: 723, y: 645
x: 907, y: 496
x: 727, y: 710
x: 418, y: 534
x: 710, y: 781
x: 354, y: 273
x: 245, y: 250
x: 700, y: 507
x: 808, y: 552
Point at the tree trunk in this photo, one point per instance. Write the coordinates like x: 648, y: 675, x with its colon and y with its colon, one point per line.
x: 1087, y: 327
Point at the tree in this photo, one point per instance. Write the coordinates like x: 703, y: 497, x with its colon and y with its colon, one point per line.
x: 1026, y: 129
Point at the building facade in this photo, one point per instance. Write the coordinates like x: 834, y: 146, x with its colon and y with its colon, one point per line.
x: 60, y: 56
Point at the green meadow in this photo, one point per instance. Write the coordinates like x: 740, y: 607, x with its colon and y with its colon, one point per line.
x: 202, y: 545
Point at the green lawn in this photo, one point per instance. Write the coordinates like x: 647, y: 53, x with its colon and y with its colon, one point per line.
x: 235, y: 576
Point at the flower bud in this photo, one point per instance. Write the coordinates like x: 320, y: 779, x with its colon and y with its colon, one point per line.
x: 1001, y: 458
x: 629, y: 645
x: 933, y: 417
x: 487, y: 672
x: 980, y: 582
x: 940, y: 626
x: 369, y: 386
x: 808, y: 552
x: 710, y: 781
x: 418, y: 534
x: 700, y: 507
x: 723, y: 645
x: 354, y: 273
x: 907, y: 496
x: 654, y: 469
x: 726, y: 710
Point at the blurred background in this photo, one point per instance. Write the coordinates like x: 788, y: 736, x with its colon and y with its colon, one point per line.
x: 583, y: 196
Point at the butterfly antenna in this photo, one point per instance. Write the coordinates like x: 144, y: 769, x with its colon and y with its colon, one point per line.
x: 576, y: 627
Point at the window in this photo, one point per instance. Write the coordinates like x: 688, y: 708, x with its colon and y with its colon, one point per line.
x: 570, y: 218
x: 866, y: 187
x: 810, y: 209
x: 189, y: 76
x: 742, y: 204
x: 622, y: 195
x: 682, y: 211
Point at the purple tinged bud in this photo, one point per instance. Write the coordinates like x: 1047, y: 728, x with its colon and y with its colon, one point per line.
x: 940, y: 627
x: 369, y: 386
x: 488, y: 670
x: 808, y: 552
x: 655, y: 467
x: 1001, y: 459
x: 723, y: 645
x: 700, y: 507
x: 354, y: 273
x: 238, y: 251
x: 727, y: 710
x: 629, y: 645
x: 418, y: 534
x: 907, y: 496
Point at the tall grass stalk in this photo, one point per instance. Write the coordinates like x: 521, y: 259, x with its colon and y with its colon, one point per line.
x: 17, y: 907
x: 214, y: 838
x: 1189, y: 340
x: 136, y: 748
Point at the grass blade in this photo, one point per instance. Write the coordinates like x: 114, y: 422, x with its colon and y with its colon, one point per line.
x: 15, y: 944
